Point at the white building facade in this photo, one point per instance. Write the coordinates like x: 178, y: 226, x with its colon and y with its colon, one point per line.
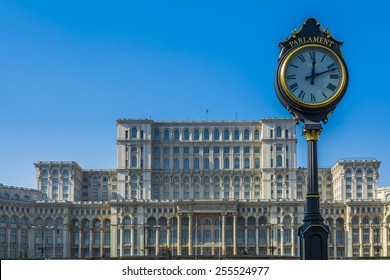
x: 194, y: 189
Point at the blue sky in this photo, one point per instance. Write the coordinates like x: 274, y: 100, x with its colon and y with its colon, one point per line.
x: 70, y: 69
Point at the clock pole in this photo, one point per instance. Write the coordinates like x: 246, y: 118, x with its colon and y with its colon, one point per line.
x: 311, y: 79
x: 313, y: 233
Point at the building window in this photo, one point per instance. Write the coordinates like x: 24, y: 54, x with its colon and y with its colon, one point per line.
x: 279, y: 132
x: 279, y: 161
x: 206, y: 134
x: 226, y: 163
x: 246, y: 134
x: 236, y: 134
x: 246, y: 163
x: 226, y: 134
x: 257, y: 134
x: 196, y: 134
x: 134, y: 133
x: 133, y: 161
x: 186, y: 135
x: 176, y: 135
x: 236, y: 163
x: 176, y: 163
x: 166, y: 135
x: 216, y: 164
x: 216, y: 134
x: 156, y: 135
x: 206, y: 164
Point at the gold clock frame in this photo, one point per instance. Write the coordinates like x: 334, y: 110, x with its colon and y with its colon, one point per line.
x: 283, y: 83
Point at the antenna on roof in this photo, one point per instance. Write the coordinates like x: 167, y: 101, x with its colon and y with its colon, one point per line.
x: 207, y: 111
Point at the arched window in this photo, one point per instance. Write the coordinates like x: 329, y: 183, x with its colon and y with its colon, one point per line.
x: 279, y: 161
x: 355, y: 220
x: 96, y: 223
x: 226, y: 134
x: 196, y: 163
x: 359, y: 171
x: 251, y: 221
x: 206, y: 164
x: 339, y: 222
x: 369, y: 171
x: 206, y: 134
x: 262, y: 221
x: 186, y: 135
x: 348, y: 171
x: 236, y: 163
x: 257, y: 134
x: 236, y: 134
x: 366, y: 221
x: 156, y: 135
x: 226, y: 163
x: 196, y: 134
x: 257, y: 163
x: 176, y: 135
x: 388, y: 196
x: 246, y: 163
x: 126, y: 221
x: 186, y: 165
x: 279, y: 132
x: 287, y: 220
x: 134, y: 133
x: 246, y: 134
x: 44, y: 172
x: 65, y: 172
x: 166, y: 135
x: 216, y: 163
x: 207, y: 222
x: 216, y: 134
x: 329, y: 222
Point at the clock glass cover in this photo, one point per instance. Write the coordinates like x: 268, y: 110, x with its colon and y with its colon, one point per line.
x: 312, y: 76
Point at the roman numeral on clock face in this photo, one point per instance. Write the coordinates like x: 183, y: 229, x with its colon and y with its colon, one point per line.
x: 301, y: 57
x: 301, y: 95
x: 332, y: 87
x: 291, y: 77
x: 293, y: 87
x: 313, y: 98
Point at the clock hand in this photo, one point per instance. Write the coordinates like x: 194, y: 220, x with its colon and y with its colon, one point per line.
x: 317, y: 74
x: 313, y: 70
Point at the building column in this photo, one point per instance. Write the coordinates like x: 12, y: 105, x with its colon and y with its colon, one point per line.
x: 146, y: 243
x: 234, y: 234
x: 114, y: 241
x: 292, y: 241
x: 371, y: 241
x: 347, y: 243
x: 246, y: 237
x: 54, y: 243
x: 360, y: 241
x: 31, y: 249
x: 8, y: 236
x: 131, y: 241
x: 282, y: 240
x: 80, y: 241
x: 257, y: 240
x: 91, y: 237
x: 18, y: 236
x: 334, y: 243
x: 190, y: 234
x: 66, y: 243
x: 169, y: 228
x: 178, y: 235
x: 120, y: 241
x: 101, y: 242
x: 223, y: 234
x: 157, y: 240
x: 385, y: 236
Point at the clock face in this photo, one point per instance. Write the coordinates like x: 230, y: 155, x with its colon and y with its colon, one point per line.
x: 313, y: 76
